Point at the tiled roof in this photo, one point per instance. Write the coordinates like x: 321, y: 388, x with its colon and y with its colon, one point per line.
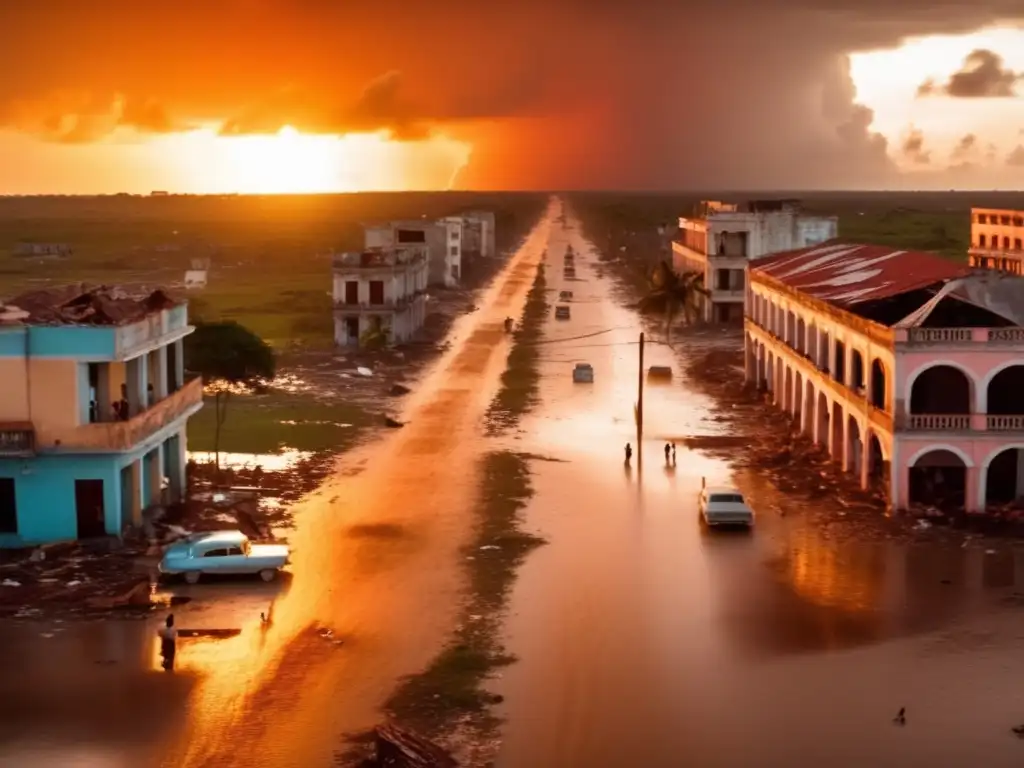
x: 848, y: 274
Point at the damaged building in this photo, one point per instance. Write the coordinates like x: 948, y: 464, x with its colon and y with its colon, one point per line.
x: 93, y: 410
x: 907, y: 367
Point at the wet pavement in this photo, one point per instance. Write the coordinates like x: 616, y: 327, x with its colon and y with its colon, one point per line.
x: 642, y: 639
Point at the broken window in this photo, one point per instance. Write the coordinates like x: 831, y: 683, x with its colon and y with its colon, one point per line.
x: 376, y: 291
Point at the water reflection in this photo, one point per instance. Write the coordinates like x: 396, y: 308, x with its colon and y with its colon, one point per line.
x: 268, y: 462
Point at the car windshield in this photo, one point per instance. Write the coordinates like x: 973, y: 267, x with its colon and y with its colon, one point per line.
x: 726, y: 498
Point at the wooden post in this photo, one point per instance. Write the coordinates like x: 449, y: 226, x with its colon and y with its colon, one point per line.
x: 640, y: 406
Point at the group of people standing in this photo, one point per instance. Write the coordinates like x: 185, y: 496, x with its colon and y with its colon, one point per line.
x: 670, y: 454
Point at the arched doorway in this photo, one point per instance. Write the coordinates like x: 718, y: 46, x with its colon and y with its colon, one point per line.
x: 838, y: 419
x: 879, y: 386
x: 941, y: 390
x: 854, y: 446
x: 821, y: 434
x: 1004, y: 478
x: 938, y: 479
x: 1004, y: 394
x: 878, y: 467
x: 857, y: 380
x: 808, y: 423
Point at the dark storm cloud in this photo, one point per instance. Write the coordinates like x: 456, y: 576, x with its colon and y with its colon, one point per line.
x: 982, y: 75
x: 550, y: 93
x: 913, y: 147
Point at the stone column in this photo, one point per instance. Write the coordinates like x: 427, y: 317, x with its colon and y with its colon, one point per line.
x: 973, y: 502
x: 179, y: 363
x: 136, y: 492
x: 135, y: 385
x: 156, y: 476
x: 159, y: 373
x: 865, y: 444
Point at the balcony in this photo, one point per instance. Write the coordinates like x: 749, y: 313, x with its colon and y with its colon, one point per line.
x: 389, y: 305
x: 993, y: 336
x: 727, y: 294
x: 119, y: 436
x: 933, y: 422
x: 17, y: 440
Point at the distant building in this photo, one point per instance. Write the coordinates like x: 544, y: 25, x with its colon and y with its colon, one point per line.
x: 93, y: 411
x: 43, y: 250
x: 479, y: 238
x: 905, y: 366
x: 196, y: 275
x: 722, y: 238
x: 997, y: 240
x: 379, y: 294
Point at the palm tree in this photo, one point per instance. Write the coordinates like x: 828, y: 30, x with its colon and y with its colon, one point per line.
x: 672, y: 292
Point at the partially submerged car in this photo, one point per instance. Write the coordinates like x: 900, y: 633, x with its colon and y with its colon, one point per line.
x: 222, y: 553
x: 724, y: 507
x: 583, y: 373
x: 565, y: 296
x: 570, y: 272
x: 561, y: 312
x: 660, y: 372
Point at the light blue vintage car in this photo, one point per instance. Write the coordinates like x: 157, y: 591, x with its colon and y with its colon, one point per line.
x: 222, y: 552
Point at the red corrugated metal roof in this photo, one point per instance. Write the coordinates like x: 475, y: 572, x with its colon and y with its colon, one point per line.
x: 847, y: 274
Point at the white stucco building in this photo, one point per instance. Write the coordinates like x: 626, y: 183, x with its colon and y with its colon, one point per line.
x: 380, y: 292
x: 442, y: 239
x: 997, y: 240
x: 722, y: 238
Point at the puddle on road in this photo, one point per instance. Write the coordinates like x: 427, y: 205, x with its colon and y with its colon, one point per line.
x: 268, y: 462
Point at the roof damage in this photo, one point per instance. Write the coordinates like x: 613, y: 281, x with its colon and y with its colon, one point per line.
x: 898, y: 288
x: 82, y: 304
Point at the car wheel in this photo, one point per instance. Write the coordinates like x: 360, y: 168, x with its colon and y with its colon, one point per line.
x: 192, y: 577
x: 268, y: 574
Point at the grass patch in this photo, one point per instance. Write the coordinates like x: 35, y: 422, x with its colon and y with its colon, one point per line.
x: 275, y: 421
x: 521, y: 379
x: 450, y: 689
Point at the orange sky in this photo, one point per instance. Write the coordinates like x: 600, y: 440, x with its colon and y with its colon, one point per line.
x: 315, y: 95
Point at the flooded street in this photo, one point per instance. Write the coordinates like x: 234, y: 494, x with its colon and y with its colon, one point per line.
x: 645, y: 640
x: 642, y: 639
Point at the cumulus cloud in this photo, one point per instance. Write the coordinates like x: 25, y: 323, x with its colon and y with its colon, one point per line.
x: 964, y: 148
x: 982, y: 75
x: 913, y: 147
x: 1016, y: 158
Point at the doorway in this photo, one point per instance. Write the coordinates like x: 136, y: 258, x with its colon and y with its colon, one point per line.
x: 352, y: 329
x: 89, y: 508
x: 8, y: 506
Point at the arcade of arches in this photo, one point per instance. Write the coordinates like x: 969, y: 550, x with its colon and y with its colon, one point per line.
x: 960, y: 441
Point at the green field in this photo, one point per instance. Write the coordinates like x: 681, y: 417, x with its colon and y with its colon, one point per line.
x: 269, y: 265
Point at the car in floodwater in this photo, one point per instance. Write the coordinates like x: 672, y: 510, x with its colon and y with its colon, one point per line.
x: 724, y: 507
x: 227, y: 553
x: 660, y: 373
x: 570, y: 272
x: 583, y: 373
x: 561, y: 312
x: 565, y: 296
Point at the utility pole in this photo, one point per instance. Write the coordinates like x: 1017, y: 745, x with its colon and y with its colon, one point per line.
x: 640, y: 406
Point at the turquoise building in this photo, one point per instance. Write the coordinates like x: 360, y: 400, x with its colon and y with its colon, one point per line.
x: 94, y: 405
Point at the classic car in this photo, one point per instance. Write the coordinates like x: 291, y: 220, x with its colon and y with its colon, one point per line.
x: 724, y: 506
x: 222, y: 552
x: 583, y: 373
x: 565, y: 295
x: 570, y: 272
x: 561, y: 312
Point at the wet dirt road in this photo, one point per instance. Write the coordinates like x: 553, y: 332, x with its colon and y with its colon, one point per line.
x: 644, y: 640
x: 375, y: 563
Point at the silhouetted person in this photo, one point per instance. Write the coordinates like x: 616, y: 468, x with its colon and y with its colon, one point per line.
x: 668, y: 452
x: 168, y: 641
x: 673, y: 454
x: 629, y: 452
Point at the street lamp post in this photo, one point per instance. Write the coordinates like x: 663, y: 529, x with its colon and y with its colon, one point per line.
x: 640, y: 406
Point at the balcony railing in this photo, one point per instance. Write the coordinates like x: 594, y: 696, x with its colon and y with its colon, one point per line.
x: 940, y: 422
x: 117, y: 436
x: 17, y: 439
x: 1004, y: 423
x: 964, y: 336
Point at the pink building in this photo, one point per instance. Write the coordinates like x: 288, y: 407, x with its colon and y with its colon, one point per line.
x: 907, y: 366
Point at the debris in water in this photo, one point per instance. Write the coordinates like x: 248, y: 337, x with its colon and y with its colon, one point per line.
x: 364, y: 371
x: 10, y: 583
x: 490, y: 546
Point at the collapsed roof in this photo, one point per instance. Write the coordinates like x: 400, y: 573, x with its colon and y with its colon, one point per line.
x: 82, y: 304
x: 897, y: 288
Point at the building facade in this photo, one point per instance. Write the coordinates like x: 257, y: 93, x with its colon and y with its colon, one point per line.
x: 94, y: 406
x: 722, y: 238
x: 997, y: 240
x: 905, y: 366
x: 442, y: 239
x: 379, y: 295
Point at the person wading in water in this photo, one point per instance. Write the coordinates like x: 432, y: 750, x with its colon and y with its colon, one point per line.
x: 168, y: 641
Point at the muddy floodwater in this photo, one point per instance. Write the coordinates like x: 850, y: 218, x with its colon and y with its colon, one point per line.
x: 642, y: 639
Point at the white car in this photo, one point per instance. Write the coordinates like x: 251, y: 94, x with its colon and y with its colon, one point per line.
x: 583, y: 373
x: 222, y: 552
x: 724, y: 506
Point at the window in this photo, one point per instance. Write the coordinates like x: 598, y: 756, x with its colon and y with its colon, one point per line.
x: 8, y: 506
x: 454, y: 250
x: 454, y: 235
x: 982, y: 218
x: 726, y: 498
x: 351, y: 291
x: 1004, y: 220
x: 216, y: 553
x: 1018, y: 222
x: 1006, y: 243
x: 376, y: 291
x: 1017, y: 244
x: 981, y: 241
x: 235, y: 552
x: 738, y: 279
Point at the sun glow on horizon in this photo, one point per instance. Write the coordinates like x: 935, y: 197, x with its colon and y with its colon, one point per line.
x: 291, y: 162
x: 887, y: 82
